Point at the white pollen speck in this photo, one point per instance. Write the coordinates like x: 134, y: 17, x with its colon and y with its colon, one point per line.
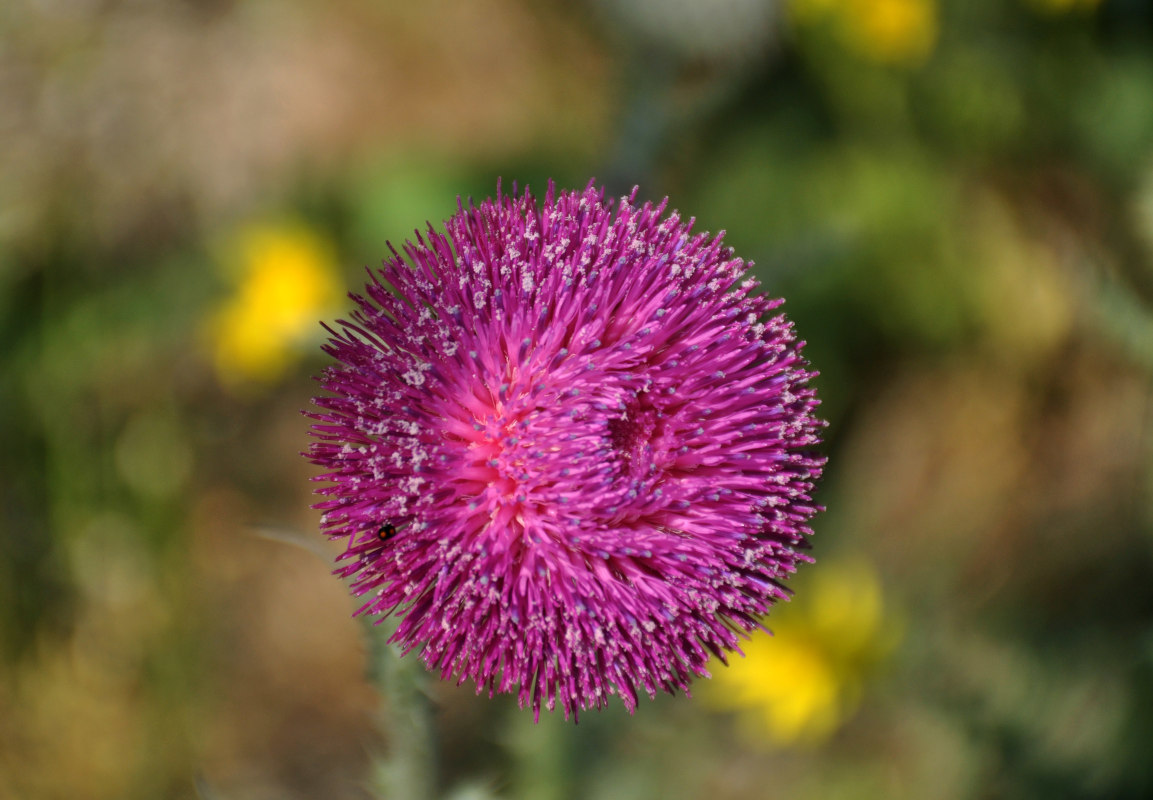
x: 526, y: 282
x: 413, y: 377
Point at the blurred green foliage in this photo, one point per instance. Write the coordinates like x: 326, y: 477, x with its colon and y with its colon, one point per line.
x: 955, y: 196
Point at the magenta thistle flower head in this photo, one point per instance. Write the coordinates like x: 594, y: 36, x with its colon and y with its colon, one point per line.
x: 570, y: 446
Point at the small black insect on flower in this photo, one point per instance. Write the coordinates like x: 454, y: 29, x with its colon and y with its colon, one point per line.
x: 386, y: 532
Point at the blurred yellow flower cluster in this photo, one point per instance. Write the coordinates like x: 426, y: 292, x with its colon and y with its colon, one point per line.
x: 798, y: 686
x: 885, y: 31
x: 286, y: 281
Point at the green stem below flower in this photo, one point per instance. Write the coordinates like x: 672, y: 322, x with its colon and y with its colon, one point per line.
x: 408, y: 769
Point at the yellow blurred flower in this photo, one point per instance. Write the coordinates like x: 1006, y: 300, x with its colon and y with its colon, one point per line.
x: 885, y: 31
x: 798, y: 686
x: 287, y: 280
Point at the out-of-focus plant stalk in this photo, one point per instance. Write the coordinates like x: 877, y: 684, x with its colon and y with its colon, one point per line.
x: 542, y: 768
x: 408, y: 768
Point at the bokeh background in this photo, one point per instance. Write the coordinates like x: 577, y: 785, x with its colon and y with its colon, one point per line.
x: 955, y: 196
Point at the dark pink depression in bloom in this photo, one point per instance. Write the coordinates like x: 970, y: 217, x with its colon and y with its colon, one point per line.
x: 591, y: 437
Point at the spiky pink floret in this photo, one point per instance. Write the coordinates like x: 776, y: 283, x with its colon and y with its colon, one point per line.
x: 592, y: 437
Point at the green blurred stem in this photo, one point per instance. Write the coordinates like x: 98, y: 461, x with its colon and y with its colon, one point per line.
x: 542, y: 760
x: 408, y: 769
